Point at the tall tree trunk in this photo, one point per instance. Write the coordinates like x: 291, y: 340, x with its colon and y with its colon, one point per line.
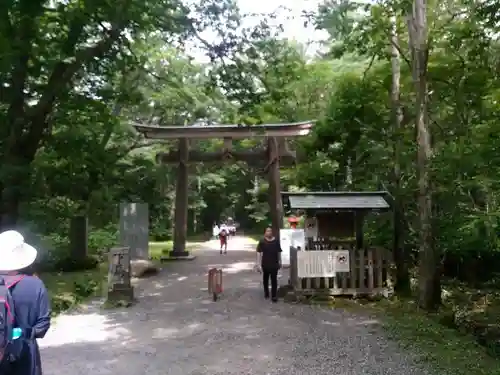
x: 402, y: 285
x: 429, y: 265
x: 10, y: 201
x: 17, y: 156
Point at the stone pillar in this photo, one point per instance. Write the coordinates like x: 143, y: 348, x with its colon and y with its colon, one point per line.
x: 134, y: 229
x: 181, y: 202
x: 78, y: 237
x: 273, y: 172
x: 120, y: 290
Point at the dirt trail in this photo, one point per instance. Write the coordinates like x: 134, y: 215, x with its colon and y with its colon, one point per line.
x: 176, y: 329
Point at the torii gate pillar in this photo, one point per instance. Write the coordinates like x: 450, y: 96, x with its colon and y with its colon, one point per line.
x: 273, y: 175
x: 181, y: 202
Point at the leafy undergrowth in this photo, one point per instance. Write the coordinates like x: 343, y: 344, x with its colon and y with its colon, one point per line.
x: 68, y: 289
x: 473, y: 311
x: 448, y: 350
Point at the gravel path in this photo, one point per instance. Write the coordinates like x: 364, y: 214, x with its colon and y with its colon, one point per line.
x: 176, y: 329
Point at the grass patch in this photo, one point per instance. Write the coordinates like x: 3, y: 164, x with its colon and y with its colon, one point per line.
x: 157, y: 250
x: 447, y: 350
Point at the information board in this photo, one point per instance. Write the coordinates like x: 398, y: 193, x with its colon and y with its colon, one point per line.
x: 325, y: 263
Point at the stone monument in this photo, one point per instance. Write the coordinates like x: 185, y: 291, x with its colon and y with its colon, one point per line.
x: 134, y: 229
x: 120, y: 290
x: 134, y: 234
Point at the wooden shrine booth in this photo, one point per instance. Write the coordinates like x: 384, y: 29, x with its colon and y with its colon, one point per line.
x: 273, y: 152
x: 336, y: 260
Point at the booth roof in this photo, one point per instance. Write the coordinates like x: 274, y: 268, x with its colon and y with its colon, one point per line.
x: 341, y: 200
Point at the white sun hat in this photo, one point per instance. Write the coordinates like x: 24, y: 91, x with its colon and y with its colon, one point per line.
x: 15, y: 254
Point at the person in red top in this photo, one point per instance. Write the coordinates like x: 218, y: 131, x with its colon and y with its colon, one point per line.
x: 223, y: 234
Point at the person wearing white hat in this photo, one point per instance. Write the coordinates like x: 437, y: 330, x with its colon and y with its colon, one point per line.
x: 15, y: 254
x: 31, y: 302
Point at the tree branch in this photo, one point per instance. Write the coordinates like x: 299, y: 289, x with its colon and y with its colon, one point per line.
x: 65, y: 72
x: 403, y: 56
x: 372, y: 60
x: 62, y: 74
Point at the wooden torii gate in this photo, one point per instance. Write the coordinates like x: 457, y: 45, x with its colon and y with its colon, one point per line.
x: 276, y: 152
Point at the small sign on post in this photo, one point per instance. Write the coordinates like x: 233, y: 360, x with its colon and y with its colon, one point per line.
x: 342, y: 262
x: 120, y: 290
x: 215, y: 282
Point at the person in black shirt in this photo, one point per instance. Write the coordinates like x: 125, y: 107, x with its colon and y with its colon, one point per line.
x: 269, y: 259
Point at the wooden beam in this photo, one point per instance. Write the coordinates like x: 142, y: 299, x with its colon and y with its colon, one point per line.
x: 220, y: 156
x: 225, y: 131
x: 210, y: 157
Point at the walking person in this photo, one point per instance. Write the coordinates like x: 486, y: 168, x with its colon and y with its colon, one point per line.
x: 223, y: 235
x: 24, y: 307
x: 215, y: 231
x: 269, y: 259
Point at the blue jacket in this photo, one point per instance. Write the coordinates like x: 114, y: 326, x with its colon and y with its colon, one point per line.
x: 32, y: 314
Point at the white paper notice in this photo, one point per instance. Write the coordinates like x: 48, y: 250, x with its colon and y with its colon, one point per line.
x: 323, y: 263
x: 291, y: 237
x: 311, y: 228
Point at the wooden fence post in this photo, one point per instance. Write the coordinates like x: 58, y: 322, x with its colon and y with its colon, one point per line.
x: 293, y: 267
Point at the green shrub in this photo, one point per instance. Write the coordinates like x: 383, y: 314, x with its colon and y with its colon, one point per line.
x: 69, y: 264
x: 57, y: 257
x: 55, y: 241
x: 56, y: 248
x: 160, y: 234
x: 86, y: 288
x: 59, y: 304
x: 101, y: 240
x: 71, y: 289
